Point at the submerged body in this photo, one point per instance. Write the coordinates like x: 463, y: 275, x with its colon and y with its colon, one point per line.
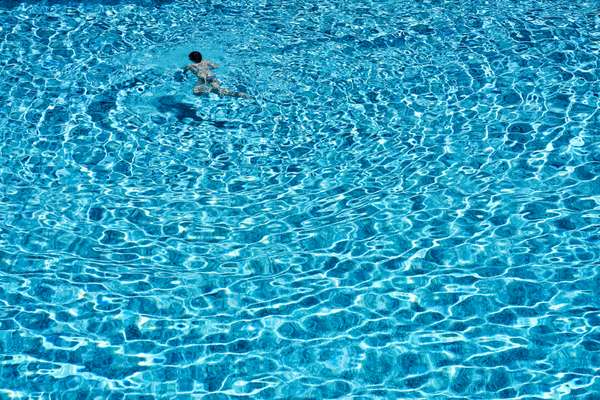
x: 207, y: 81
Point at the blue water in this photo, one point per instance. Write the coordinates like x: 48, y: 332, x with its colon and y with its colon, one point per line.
x: 409, y: 208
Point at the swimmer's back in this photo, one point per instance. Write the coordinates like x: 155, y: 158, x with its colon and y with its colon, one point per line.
x: 202, y: 69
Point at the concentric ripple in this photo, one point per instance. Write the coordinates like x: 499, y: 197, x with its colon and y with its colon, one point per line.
x: 410, y: 207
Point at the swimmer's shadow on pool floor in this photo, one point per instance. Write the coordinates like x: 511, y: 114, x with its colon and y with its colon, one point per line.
x: 186, y: 113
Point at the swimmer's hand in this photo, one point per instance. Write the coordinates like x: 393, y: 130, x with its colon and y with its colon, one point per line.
x: 179, y: 76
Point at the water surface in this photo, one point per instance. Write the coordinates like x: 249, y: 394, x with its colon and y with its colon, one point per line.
x: 409, y: 209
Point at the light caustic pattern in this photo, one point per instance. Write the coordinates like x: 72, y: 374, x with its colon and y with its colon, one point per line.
x: 409, y: 208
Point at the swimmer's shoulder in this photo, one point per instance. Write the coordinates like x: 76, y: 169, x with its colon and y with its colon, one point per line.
x: 209, y: 64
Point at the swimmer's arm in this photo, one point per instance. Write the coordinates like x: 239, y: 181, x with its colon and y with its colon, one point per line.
x: 181, y: 74
x: 212, y: 64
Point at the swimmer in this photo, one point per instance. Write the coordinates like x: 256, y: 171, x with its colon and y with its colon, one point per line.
x: 207, y: 82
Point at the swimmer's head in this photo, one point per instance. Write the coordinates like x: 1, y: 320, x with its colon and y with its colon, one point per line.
x: 195, y: 56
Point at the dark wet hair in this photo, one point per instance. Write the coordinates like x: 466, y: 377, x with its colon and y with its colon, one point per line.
x: 195, y: 56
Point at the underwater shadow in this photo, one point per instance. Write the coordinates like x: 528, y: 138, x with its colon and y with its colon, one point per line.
x: 181, y: 110
x: 186, y: 112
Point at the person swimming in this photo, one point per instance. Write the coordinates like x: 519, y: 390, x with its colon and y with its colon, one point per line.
x: 207, y: 82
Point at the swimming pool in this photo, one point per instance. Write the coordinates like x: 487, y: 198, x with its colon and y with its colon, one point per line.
x: 408, y: 209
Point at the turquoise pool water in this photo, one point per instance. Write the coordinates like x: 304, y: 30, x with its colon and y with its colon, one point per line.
x: 410, y: 208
